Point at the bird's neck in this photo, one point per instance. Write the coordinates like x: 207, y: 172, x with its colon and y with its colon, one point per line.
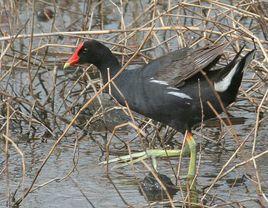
x: 108, y: 67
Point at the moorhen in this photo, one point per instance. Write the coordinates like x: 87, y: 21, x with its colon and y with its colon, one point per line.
x: 174, y: 89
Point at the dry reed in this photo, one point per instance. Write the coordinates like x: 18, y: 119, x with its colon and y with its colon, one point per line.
x: 40, y: 100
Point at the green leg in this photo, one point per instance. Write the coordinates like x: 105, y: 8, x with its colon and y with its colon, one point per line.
x: 193, y: 197
x: 156, y: 153
x: 151, y: 153
x: 189, y: 149
x: 192, y: 147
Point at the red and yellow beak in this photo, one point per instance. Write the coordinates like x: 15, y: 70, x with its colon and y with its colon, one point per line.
x: 74, y: 59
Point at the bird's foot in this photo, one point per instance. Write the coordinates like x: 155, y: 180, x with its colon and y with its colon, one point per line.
x: 139, y: 156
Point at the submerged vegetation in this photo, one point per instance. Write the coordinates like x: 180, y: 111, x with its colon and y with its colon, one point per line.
x: 57, y: 125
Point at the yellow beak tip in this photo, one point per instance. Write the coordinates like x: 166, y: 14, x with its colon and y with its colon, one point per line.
x: 66, y: 65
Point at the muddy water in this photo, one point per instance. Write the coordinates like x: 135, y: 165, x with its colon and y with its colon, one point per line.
x: 88, y: 184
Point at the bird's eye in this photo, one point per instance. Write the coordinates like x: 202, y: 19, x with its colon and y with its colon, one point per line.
x: 84, y: 50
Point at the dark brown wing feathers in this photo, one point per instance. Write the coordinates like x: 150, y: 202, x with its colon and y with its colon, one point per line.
x: 182, y: 64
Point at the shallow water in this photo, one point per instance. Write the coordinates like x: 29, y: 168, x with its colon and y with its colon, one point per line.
x: 88, y: 185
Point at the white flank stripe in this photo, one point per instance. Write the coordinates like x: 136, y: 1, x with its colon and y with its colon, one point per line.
x: 172, y: 88
x: 180, y: 95
x: 223, y: 85
x: 159, y: 82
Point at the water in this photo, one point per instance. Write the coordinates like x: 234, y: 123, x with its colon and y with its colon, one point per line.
x: 72, y: 177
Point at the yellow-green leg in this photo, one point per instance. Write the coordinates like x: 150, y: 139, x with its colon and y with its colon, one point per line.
x: 156, y: 153
x: 189, y: 149
x: 193, y: 197
x: 192, y: 147
x: 151, y: 153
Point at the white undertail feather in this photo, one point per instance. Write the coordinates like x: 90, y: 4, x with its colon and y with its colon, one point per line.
x: 223, y: 84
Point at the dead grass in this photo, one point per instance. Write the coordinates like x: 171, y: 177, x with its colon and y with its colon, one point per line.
x: 39, y: 100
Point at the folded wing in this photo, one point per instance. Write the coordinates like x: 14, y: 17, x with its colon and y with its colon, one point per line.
x: 177, y: 66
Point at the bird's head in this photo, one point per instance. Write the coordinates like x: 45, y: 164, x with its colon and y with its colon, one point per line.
x: 90, y: 52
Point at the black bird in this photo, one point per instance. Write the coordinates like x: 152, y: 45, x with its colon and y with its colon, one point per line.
x: 173, y: 89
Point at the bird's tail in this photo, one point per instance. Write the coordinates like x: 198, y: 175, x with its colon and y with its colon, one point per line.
x: 230, y: 77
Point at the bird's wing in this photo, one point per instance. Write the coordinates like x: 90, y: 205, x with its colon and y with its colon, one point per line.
x: 177, y: 66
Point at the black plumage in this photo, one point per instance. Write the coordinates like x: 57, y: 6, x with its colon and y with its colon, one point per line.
x: 169, y: 89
